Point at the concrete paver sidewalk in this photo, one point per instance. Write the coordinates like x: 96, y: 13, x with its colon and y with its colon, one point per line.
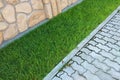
x: 99, y: 58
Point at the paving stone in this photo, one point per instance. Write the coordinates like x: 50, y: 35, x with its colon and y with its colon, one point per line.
x: 69, y: 70
x: 78, y: 68
x: 117, y: 60
x: 97, y: 56
x: 111, y: 28
x: 105, y: 30
x: 89, y: 67
x: 110, y: 25
x: 104, y: 76
x: 93, y: 48
x: 77, y: 59
x: 100, y: 41
x: 118, y: 43
x: 113, y: 46
x: 85, y: 50
x: 114, y: 33
x: 115, y: 52
x: 114, y: 74
x: 109, y: 40
x: 91, y: 76
x: 86, y: 57
x: 56, y: 78
x: 114, y: 23
x: 106, y: 48
x: 99, y: 36
x: 76, y: 76
x: 107, y: 55
x: 112, y: 64
x: 116, y: 38
x: 66, y: 77
x: 106, y: 34
x: 92, y: 43
x: 60, y: 73
x: 101, y: 65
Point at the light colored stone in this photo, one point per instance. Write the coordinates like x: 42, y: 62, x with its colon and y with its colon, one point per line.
x: 37, y: 4
x: 22, y: 22
x: 70, y: 2
x: 23, y: 0
x: 1, y: 18
x: 59, y: 6
x: 64, y: 4
x: 9, y: 13
x: 1, y: 4
x: 23, y: 7
x: 73, y: 1
x: 1, y: 37
x: 36, y: 17
x: 46, y: 1
x: 54, y: 7
x: 3, y: 26
x: 10, y: 32
x: 48, y: 10
x: 12, y: 1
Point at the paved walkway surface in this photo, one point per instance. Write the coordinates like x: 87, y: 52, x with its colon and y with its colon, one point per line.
x: 99, y: 59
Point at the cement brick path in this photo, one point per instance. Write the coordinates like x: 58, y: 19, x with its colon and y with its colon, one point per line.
x: 99, y: 58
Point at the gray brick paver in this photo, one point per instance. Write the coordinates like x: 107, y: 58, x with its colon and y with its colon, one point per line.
x: 107, y: 55
x: 85, y: 50
x: 69, y: 70
x: 101, y: 66
x: 104, y: 76
x: 96, y: 49
x: 66, y: 77
x: 86, y: 57
x: 91, y: 76
x: 112, y: 64
x: 78, y: 68
x: 99, y: 58
x: 100, y: 41
x: 77, y: 76
x: 114, y: 46
x: 114, y: 74
x: 110, y: 40
x: 77, y: 59
x: 104, y: 47
x: 89, y: 67
x: 115, y: 52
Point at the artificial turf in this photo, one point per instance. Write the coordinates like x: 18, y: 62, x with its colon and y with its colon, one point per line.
x: 34, y: 55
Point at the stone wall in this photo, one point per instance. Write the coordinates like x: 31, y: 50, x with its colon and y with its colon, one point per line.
x: 17, y: 16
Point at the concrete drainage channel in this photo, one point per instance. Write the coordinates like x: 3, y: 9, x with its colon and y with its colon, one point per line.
x: 74, y: 52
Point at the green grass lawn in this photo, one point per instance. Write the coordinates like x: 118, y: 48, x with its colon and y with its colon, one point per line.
x: 34, y: 55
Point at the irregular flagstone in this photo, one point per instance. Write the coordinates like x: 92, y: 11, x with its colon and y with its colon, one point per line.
x: 22, y: 22
x: 36, y: 17
x: 23, y: 7
x: 3, y: 26
x: 1, y: 4
x: 12, y: 1
x: 10, y: 32
x: 9, y: 13
x: 37, y: 4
